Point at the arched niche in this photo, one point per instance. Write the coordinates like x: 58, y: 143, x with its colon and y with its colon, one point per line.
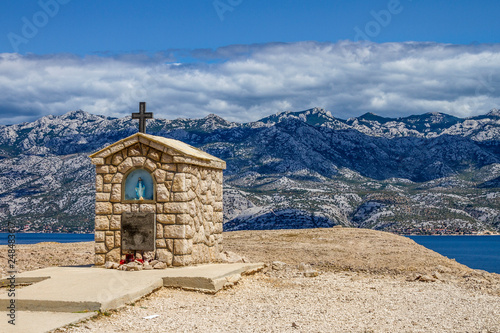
x: 131, y: 183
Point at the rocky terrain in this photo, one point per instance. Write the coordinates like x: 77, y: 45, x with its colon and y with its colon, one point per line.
x: 430, y: 173
x: 365, y: 281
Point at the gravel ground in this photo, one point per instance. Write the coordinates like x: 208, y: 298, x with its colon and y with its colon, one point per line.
x: 330, y: 302
x: 367, y: 283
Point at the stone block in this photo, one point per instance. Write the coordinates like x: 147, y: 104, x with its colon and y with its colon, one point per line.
x: 211, y: 240
x: 218, y: 217
x: 199, y: 236
x: 103, y: 208
x: 160, y: 243
x: 98, y: 183
x: 162, y: 194
x: 99, y: 259
x: 102, y: 169
x: 154, y: 154
x: 207, y: 228
x: 145, y: 150
x: 138, y: 161
x: 169, y: 167
x: 170, y: 244
x: 184, y: 219
x: 151, y: 208
x: 110, y: 242
x: 117, y: 147
x: 131, y: 141
x: 196, y: 221
x: 117, y: 159
x: 165, y: 218
x: 218, y: 193
x: 183, y: 246
x: 159, y: 230
x: 192, y: 208
x: 144, y: 141
x: 155, y: 145
x: 118, y: 239
x: 135, y: 150
x: 113, y: 169
x: 104, y: 153
x: 134, y: 208
x: 184, y: 196
x: 218, y: 228
x: 115, y: 222
x: 171, y: 152
x: 101, y: 196
x: 100, y: 248
x: 164, y: 255
x: 169, y: 175
x: 113, y: 256
x: 117, y: 179
x: 159, y: 208
x: 97, y: 161
x: 194, y: 183
x: 176, y: 207
x: 179, y: 183
x: 119, y: 208
x: 165, y: 158
x: 174, y: 231
x: 116, y: 193
x: 188, y: 169
x: 185, y: 260
x: 209, y: 209
x: 99, y: 236
x: 101, y: 222
x: 107, y: 178
x: 150, y: 165
x: 217, y: 206
x: 159, y: 175
x: 106, y: 188
x: 125, y: 165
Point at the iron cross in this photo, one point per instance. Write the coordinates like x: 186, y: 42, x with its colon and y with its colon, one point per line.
x: 142, y: 116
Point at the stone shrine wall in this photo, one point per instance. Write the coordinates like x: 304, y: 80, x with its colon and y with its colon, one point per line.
x: 187, y: 202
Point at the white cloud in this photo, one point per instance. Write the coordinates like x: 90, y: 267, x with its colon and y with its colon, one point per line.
x: 244, y: 83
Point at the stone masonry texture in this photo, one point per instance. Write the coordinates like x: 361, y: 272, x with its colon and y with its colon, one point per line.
x: 187, y: 201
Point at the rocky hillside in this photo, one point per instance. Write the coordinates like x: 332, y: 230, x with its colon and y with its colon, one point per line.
x: 424, y: 173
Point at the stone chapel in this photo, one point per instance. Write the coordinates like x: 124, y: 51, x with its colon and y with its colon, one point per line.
x: 160, y: 196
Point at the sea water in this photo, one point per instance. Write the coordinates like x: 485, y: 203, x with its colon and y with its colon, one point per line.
x: 33, y: 238
x: 478, y: 252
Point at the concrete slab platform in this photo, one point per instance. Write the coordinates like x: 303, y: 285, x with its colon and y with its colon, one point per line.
x: 40, y: 321
x: 74, y: 289
x: 59, y: 296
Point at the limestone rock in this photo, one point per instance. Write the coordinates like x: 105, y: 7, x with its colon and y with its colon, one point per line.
x: 304, y: 267
x: 311, y: 273
x: 111, y: 265
x: 164, y: 256
x: 425, y: 278
x: 160, y: 265
x: 278, y: 265
x: 232, y: 258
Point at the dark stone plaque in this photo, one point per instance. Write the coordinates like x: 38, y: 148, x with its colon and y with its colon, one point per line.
x: 138, y: 231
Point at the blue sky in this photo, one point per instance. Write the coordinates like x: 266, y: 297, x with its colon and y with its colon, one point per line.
x: 245, y: 59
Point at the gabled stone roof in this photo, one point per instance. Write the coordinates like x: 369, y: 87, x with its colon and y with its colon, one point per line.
x: 181, y: 152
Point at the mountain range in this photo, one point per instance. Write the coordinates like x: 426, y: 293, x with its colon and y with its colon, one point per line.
x: 419, y: 174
